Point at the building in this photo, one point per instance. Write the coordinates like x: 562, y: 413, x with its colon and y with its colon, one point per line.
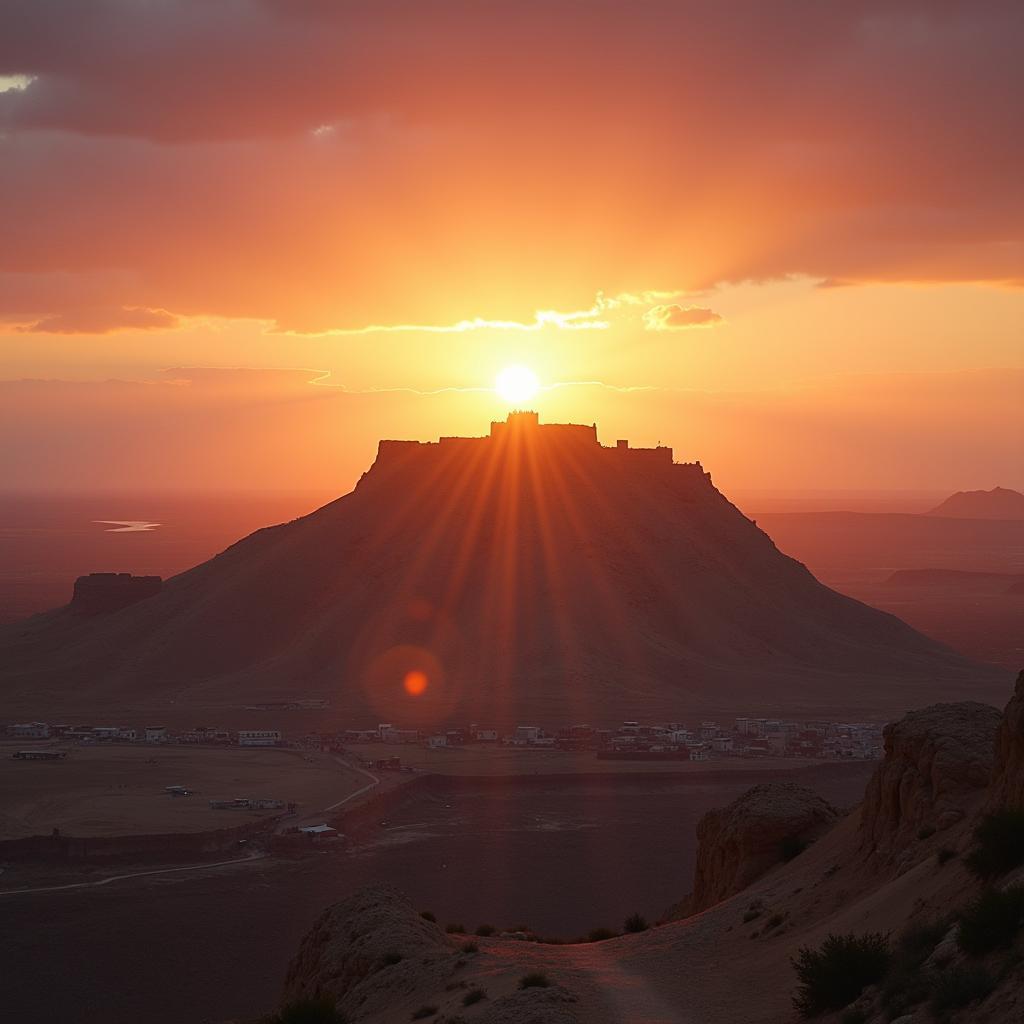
x: 156, y: 734
x: 39, y: 755
x: 440, y: 740
x: 106, y: 732
x: 29, y: 731
x: 259, y: 737
x: 527, y: 734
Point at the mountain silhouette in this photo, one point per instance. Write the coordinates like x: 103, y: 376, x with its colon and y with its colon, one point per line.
x: 999, y: 503
x: 530, y: 575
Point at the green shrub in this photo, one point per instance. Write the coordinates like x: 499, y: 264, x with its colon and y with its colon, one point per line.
x: 309, y: 1011
x: 635, y: 923
x: 834, y: 975
x: 992, y: 921
x: 474, y: 995
x: 958, y: 987
x: 945, y: 855
x: 428, y: 915
x: 454, y: 929
x: 535, y: 979
x: 469, y: 947
x: 423, y: 1012
x: 1000, y: 845
x: 485, y: 929
x: 792, y: 846
x: 600, y: 934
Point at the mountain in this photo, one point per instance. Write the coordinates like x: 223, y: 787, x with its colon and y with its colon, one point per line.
x: 530, y: 575
x: 999, y: 503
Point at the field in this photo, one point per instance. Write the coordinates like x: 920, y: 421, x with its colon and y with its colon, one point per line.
x: 120, y: 790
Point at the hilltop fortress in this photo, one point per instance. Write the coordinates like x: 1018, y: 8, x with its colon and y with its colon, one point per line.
x: 521, y: 430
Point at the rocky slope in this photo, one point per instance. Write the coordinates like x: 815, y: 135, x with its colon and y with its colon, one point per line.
x: 1008, y: 776
x: 525, y: 582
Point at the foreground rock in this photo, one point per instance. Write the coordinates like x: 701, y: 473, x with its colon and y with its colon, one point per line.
x: 937, y: 764
x: 765, y: 826
x: 1008, y: 771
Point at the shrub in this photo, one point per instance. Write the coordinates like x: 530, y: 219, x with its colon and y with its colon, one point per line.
x: 751, y: 914
x: 469, y: 947
x: 535, y: 979
x: 635, y: 923
x: 454, y: 929
x: 309, y: 1011
x: 484, y: 930
x: 792, y: 846
x: 424, y: 1012
x: 389, y: 959
x: 959, y: 986
x: 774, y: 921
x: 600, y: 934
x: 853, y: 1016
x: 834, y: 975
x: 945, y: 855
x: 992, y: 920
x: 1000, y: 844
x: 474, y: 995
x: 926, y: 832
x: 428, y: 915
x: 917, y: 941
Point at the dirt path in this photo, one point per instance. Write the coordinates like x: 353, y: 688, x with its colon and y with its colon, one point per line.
x: 135, y: 874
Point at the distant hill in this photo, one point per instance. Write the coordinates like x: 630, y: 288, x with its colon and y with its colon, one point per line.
x: 958, y: 580
x: 530, y: 576
x: 999, y: 503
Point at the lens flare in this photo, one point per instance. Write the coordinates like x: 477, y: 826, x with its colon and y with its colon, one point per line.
x: 415, y: 682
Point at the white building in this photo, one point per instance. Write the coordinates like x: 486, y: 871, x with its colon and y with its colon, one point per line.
x: 156, y: 734
x: 106, y: 732
x: 259, y: 737
x: 527, y: 734
x: 130, y: 735
x: 486, y: 735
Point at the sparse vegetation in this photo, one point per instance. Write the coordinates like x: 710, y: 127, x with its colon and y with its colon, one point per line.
x: 833, y: 976
x: 925, y: 832
x: 474, y: 995
x: 752, y: 913
x: 455, y: 929
x: 428, y: 915
x: 423, y: 1012
x: 792, y: 846
x: 992, y: 921
x: 959, y: 987
x: 535, y: 979
x: 945, y: 855
x: 853, y: 1016
x: 469, y: 947
x: 600, y: 934
x: 320, y: 1010
x: 484, y: 930
x: 774, y: 921
x: 905, y: 985
x: 999, y: 845
x: 635, y: 923
x: 389, y: 959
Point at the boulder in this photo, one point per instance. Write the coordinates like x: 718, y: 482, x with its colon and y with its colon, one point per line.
x: 933, y: 775
x: 1008, y: 771
x: 739, y: 843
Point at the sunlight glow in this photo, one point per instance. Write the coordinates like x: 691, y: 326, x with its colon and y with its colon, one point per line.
x: 517, y: 384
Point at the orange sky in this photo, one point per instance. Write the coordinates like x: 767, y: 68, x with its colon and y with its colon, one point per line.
x: 786, y: 239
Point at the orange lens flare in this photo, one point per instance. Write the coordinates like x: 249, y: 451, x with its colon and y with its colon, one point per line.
x: 415, y: 682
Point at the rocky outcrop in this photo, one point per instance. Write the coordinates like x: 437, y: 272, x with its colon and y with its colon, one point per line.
x: 739, y: 843
x: 1008, y: 771
x: 101, y: 592
x: 369, y: 951
x: 933, y: 775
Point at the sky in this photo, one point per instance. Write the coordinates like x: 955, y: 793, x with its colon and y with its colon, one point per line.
x: 244, y: 239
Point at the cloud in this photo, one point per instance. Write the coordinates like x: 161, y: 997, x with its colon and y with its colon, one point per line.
x: 673, y: 317
x: 103, y: 320
x: 848, y: 142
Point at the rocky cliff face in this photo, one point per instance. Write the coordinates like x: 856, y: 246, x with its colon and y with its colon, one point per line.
x: 739, y: 843
x: 1008, y: 772
x: 938, y: 762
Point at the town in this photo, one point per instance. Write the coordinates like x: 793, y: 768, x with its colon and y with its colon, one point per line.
x: 632, y: 740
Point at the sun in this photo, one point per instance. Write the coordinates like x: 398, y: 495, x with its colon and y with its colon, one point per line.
x: 517, y: 384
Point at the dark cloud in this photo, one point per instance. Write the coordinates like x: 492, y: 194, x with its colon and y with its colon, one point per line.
x: 102, y: 320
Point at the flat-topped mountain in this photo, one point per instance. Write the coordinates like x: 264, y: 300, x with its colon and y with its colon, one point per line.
x: 999, y: 503
x: 529, y: 575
